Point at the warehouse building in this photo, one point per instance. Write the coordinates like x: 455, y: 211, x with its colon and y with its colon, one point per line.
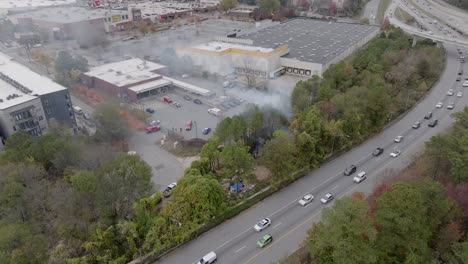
x: 29, y: 101
x: 134, y: 79
x: 301, y: 47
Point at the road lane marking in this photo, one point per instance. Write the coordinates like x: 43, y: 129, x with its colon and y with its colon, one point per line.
x: 335, y: 187
x: 277, y: 225
x: 237, y: 251
x: 222, y: 245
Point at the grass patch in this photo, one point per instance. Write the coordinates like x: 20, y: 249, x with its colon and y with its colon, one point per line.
x: 383, y: 5
x: 404, y: 16
x: 181, y: 150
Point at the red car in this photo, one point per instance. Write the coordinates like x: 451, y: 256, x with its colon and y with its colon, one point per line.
x: 188, y: 125
x: 167, y: 100
x: 152, y: 129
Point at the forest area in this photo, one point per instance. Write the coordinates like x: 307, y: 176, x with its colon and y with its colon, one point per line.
x: 75, y: 199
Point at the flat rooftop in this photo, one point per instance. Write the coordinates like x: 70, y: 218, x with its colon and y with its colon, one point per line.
x: 311, y: 40
x: 126, y: 72
x: 151, y: 9
x: 70, y: 14
x: 23, y: 82
x: 8, y: 4
x: 217, y: 46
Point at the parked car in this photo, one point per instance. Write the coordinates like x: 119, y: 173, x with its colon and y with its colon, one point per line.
x: 262, y: 224
x: 360, y: 177
x: 155, y: 122
x: 188, y: 98
x: 433, y: 123
x: 377, y: 152
x: 428, y: 115
x: 167, y: 100
x: 176, y: 104
x: 197, y: 101
x: 327, y: 198
x: 465, y: 84
x: 395, y: 153
x: 206, y: 131
x: 416, y: 125
x: 398, y: 139
x: 307, y: 199
x: 460, y: 94
x: 439, y: 105
x: 150, y: 110
x: 450, y: 106
x: 350, y: 170
x: 264, y: 241
x: 151, y: 129
x: 188, y: 125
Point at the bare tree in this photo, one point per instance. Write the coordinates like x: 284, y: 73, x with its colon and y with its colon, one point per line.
x: 249, y: 72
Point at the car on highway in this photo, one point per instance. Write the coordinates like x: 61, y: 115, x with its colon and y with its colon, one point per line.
x: 209, y: 258
x: 350, y: 170
x: 327, y: 198
x: 151, y: 129
x: 155, y: 122
x: 416, y: 125
x: 433, y: 123
x: 264, y: 241
x: 360, y: 177
x: 307, y: 199
x: 428, y: 115
x: 197, y: 101
x: 262, y: 224
x: 377, y: 152
x: 450, y: 106
x: 460, y: 94
x: 206, y: 131
x: 465, y: 84
x: 188, y: 98
x: 439, y: 105
x: 450, y: 92
x: 398, y: 139
x: 188, y: 125
x: 149, y: 110
x: 395, y: 153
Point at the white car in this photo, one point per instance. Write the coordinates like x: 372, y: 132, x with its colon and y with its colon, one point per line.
x: 360, y: 177
x: 399, y: 139
x: 450, y: 92
x: 395, y: 153
x: 307, y: 199
x: 172, y: 186
x: 327, y: 198
x: 155, y: 122
x: 465, y: 84
x: 262, y: 224
x: 439, y: 105
x: 459, y: 94
x: 450, y: 106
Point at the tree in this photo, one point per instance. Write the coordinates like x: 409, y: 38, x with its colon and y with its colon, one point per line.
x: 303, y: 93
x: 225, y: 5
x: 120, y: 183
x: 211, y: 153
x: 111, y: 126
x: 278, y: 155
x: 345, y: 235
x: 43, y: 58
x: 236, y: 160
x: 272, y: 6
x: 67, y: 67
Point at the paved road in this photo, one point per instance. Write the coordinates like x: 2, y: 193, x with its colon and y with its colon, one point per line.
x: 234, y: 241
x: 370, y: 10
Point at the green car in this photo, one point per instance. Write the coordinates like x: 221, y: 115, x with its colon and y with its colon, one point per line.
x: 266, y: 239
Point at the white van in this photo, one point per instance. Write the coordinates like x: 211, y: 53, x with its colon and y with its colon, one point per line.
x: 208, y: 258
x: 214, y: 111
x: 77, y: 110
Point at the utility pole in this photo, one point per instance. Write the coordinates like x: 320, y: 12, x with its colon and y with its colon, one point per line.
x: 196, y: 129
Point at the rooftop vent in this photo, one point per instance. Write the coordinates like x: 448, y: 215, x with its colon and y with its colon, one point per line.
x: 118, y: 72
x: 110, y: 70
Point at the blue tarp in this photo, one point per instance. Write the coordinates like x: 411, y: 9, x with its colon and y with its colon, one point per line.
x: 235, y: 187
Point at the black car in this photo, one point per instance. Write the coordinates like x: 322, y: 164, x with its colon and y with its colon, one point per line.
x: 350, y: 170
x: 197, y: 101
x: 188, y: 98
x: 428, y: 115
x: 150, y: 110
x: 377, y: 152
x: 433, y: 123
x: 206, y: 131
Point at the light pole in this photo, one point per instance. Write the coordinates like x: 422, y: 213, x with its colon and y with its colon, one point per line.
x: 196, y: 129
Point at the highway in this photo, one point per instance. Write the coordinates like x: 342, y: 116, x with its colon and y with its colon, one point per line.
x: 234, y: 241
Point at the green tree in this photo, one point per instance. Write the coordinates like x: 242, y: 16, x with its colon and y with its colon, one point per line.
x: 225, y: 5
x: 211, y: 153
x: 236, y: 160
x: 345, y: 235
x: 111, y: 126
x: 278, y: 155
x: 303, y: 94
x: 272, y: 6
x: 120, y: 183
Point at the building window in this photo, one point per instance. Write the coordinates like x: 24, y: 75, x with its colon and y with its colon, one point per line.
x: 41, y: 118
x: 46, y: 101
x: 48, y: 111
x: 14, y: 128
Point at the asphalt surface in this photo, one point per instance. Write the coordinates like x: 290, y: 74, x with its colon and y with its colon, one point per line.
x: 370, y: 10
x: 235, y: 240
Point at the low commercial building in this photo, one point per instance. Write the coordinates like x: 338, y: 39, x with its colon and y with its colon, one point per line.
x: 134, y: 79
x: 29, y: 101
x: 301, y: 47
